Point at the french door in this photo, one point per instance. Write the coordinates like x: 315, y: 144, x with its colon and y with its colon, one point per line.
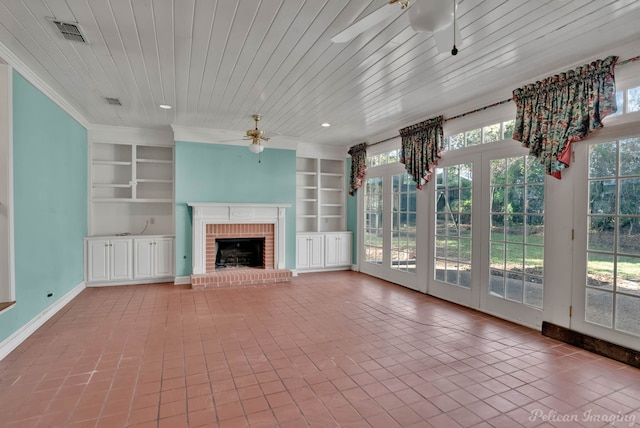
x: 390, y: 226
x: 488, y: 228
x: 606, y: 292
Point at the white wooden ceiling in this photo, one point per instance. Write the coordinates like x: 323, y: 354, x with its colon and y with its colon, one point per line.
x: 217, y: 62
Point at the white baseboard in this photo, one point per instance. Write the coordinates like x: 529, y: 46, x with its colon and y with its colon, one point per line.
x: 130, y: 282
x: 13, y: 341
x: 182, y: 280
x: 355, y: 268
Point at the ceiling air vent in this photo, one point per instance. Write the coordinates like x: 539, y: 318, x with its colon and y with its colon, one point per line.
x: 70, y: 31
x: 113, y: 101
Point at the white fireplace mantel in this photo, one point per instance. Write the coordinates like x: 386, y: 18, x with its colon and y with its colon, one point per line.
x: 229, y: 213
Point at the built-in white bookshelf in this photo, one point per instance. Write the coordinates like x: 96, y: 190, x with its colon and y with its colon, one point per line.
x: 131, y: 173
x: 131, y: 183
x: 320, y: 195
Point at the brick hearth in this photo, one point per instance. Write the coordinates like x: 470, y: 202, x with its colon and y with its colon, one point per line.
x: 233, y: 277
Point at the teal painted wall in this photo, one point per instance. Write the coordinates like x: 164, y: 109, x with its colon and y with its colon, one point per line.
x: 223, y: 173
x: 50, y: 203
x: 352, y: 213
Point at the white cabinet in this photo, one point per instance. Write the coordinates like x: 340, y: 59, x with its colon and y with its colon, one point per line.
x: 109, y: 260
x: 320, y: 251
x: 128, y: 260
x: 337, y: 249
x: 310, y: 251
x: 153, y: 258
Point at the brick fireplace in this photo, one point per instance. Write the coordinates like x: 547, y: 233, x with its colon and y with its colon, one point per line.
x: 230, y: 231
x: 214, y: 222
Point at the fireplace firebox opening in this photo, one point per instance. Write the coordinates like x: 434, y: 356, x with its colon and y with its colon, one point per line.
x: 239, y: 252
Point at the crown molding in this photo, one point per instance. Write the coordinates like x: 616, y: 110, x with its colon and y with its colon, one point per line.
x: 17, y: 64
x: 123, y: 134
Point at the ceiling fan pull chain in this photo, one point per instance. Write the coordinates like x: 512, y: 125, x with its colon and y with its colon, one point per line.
x: 454, y: 51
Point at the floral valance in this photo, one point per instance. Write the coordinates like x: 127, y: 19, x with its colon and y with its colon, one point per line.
x: 421, y: 148
x: 358, y: 166
x: 561, y: 109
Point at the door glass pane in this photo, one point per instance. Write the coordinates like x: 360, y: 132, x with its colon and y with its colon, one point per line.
x: 403, y: 228
x: 613, y: 236
x: 373, y: 232
x: 517, y: 230
x: 453, y: 225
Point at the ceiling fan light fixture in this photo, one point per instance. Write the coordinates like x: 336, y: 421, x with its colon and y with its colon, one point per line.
x: 430, y: 16
x: 256, y: 148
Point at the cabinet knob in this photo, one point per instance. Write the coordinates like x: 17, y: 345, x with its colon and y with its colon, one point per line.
x: 111, y: 245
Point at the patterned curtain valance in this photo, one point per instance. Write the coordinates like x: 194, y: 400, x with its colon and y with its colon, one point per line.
x: 421, y: 148
x: 559, y: 110
x: 358, y: 166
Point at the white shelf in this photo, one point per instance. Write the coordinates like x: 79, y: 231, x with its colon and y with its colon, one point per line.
x: 331, y: 174
x: 158, y: 161
x: 153, y: 180
x: 133, y: 201
x: 115, y: 163
x: 108, y: 185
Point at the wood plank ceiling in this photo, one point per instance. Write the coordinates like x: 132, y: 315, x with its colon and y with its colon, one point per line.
x: 218, y: 62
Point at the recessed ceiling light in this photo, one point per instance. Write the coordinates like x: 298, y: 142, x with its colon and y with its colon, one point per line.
x: 165, y: 106
x: 325, y: 125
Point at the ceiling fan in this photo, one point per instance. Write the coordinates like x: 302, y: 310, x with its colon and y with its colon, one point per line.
x: 432, y: 16
x: 256, y: 136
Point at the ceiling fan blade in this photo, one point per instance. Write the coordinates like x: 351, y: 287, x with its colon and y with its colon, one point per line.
x: 444, y: 39
x: 385, y: 12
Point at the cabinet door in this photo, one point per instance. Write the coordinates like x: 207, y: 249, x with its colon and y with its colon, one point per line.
x: 143, y: 258
x: 97, y: 260
x: 120, y: 259
x: 331, y: 250
x: 344, y: 249
x: 302, y: 252
x: 338, y: 249
x: 316, y: 251
x: 163, y: 248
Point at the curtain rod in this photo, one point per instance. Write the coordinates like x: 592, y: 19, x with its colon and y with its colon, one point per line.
x: 620, y: 63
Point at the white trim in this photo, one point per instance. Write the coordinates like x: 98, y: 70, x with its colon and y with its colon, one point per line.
x: 130, y: 282
x: 20, y: 335
x: 7, y: 112
x: 180, y: 280
x: 355, y: 268
x: 308, y: 150
x: 130, y: 135
x: 41, y: 85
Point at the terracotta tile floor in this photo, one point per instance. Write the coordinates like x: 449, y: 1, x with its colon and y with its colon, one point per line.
x: 326, y: 350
